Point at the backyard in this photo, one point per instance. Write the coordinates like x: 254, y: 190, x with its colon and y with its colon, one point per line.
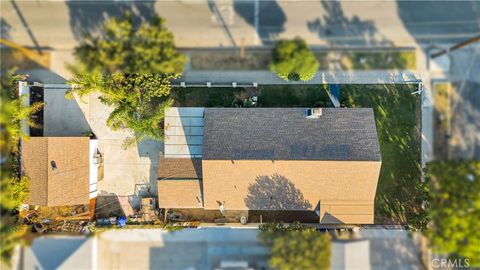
x: 397, y: 112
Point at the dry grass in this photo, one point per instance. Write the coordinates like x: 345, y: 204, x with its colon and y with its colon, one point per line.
x: 260, y: 60
x: 230, y: 60
x: 442, y: 117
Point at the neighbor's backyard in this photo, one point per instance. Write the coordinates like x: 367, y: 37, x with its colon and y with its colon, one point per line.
x: 400, y: 191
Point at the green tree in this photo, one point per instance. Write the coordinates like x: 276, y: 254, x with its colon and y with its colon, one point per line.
x: 137, y: 60
x: 454, y: 209
x: 14, y: 189
x: 17, y: 192
x: 296, y: 246
x: 293, y: 60
x: 139, y: 101
x: 124, y: 45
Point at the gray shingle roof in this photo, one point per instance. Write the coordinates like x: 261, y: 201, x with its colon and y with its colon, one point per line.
x: 285, y: 134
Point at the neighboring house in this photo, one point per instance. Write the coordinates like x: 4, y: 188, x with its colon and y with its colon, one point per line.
x: 61, y: 170
x: 324, y: 161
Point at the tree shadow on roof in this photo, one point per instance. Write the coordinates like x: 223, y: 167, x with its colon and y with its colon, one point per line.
x: 275, y: 192
x: 337, y: 29
x: 88, y: 17
x: 271, y: 18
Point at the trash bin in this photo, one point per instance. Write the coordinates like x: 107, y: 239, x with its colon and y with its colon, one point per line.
x: 121, y: 222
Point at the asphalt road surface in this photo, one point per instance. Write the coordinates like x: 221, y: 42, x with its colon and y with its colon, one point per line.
x: 60, y: 24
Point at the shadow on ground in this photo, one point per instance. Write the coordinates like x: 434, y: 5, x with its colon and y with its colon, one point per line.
x: 88, y: 16
x: 339, y: 30
x: 4, y: 29
x: 151, y: 149
x: 271, y: 18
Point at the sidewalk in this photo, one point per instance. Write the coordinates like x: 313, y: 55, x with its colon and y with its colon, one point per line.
x: 243, y: 78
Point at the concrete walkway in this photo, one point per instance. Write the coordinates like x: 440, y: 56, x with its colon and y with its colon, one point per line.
x: 248, y: 78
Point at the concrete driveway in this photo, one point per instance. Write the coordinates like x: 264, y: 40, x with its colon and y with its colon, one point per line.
x: 126, y: 171
x: 63, y: 117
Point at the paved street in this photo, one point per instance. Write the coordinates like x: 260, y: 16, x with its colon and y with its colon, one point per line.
x: 59, y: 24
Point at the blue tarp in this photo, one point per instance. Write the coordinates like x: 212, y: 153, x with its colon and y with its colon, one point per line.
x: 335, y: 94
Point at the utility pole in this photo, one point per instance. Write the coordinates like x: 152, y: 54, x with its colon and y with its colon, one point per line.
x: 456, y: 47
x: 256, y: 13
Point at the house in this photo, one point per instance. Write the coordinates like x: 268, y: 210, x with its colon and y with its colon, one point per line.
x: 61, y: 170
x: 324, y: 161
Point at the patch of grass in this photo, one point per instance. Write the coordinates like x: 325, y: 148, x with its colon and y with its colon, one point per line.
x: 205, y: 97
x: 400, y: 192
x: 230, y: 60
x: 379, y: 60
x: 442, y: 103
x: 293, y: 96
x: 442, y: 117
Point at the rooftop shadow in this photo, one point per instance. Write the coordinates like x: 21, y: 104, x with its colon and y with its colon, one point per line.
x: 89, y: 16
x: 338, y: 29
x: 275, y: 192
x: 271, y: 18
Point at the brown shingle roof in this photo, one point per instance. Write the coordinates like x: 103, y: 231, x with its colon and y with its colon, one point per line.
x: 286, y: 134
x: 68, y: 184
x: 180, y: 184
x: 179, y: 168
x: 180, y: 193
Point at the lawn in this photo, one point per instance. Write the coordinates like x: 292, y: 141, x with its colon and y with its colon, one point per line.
x: 400, y: 192
x: 378, y: 60
x: 397, y: 114
x: 207, y: 97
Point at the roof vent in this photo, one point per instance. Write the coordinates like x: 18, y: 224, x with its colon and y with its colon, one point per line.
x: 313, y: 113
x: 53, y: 164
